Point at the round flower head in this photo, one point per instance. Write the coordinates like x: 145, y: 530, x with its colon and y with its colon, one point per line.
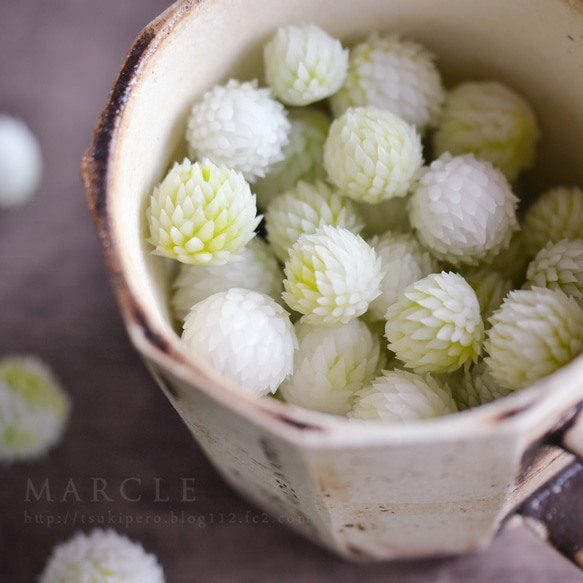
x: 463, y: 209
x: 491, y: 121
x: 399, y: 396
x: 257, y: 269
x: 389, y: 215
x: 477, y: 387
x: 435, y: 325
x: 304, y: 64
x: 240, y: 126
x: 102, y: 556
x: 395, y: 74
x: 245, y: 335
x: 403, y: 262
x: 558, y: 266
x: 303, y: 209
x: 372, y: 155
x: 202, y: 214
x: 533, y: 333
x: 491, y: 288
x: 331, y: 364
x: 303, y: 155
x: 555, y: 215
x: 331, y: 276
x: 34, y: 409
x: 20, y: 162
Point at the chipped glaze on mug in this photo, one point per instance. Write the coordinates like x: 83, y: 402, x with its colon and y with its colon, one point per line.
x: 365, y: 491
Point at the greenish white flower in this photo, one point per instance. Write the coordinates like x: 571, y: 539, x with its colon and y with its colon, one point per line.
x: 555, y: 215
x: 395, y: 74
x: 477, y: 387
x: 245, y: 335
x: 34, y: 409
x: 399, y: 396
x: 533, y: 333
x: 558, y: 266
x: 403, y: 262
x: 491, y: 288
x: 331, y: 276
x: 304, y: 208
x: 463, y: 209
x: 388, y: 215
x: 101, y: 556
x: 435, y: 326
x: 202, y: 214
x: 257, y: 269
x: 491, y: 121
x: 304, y: 64
x: 21, y: 163
x: 303, y: 155
x: 331, y: 364
x: 372, y: 155
x: 239, y: 126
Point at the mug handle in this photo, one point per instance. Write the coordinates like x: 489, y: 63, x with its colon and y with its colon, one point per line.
x: 555, y: 511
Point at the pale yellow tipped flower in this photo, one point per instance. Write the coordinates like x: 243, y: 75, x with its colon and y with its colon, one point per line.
x: 372, y: 155
x: 403, y: 397
x: 395, y: 74
x: 555, y: 215
x: 245, y: 335
x: 331, y: 276
x: 533, y: 333
x: 403, y: 262
x: 491, y: 121
x: 240, y: 126
x: 34, y: 409
x: 435, y: 326
x: 303, y: 155
x: 331, y: 365
x: 305, y: 208
x: 304, y: 64
x: 202, y: 214
x: 463, y: 210
x: 558, y: 266
x: 257, y: 269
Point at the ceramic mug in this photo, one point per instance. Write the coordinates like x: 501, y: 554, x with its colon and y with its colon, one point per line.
x: 363, y: 490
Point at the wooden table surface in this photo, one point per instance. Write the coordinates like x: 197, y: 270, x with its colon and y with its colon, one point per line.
x: 126, y: 461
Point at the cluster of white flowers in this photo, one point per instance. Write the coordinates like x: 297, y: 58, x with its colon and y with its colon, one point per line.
x: 402, y: 275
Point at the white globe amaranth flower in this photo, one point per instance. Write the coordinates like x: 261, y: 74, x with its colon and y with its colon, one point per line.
x: 395, y: 74
x: 491, y: 288
x: 245, y: 335
x: 101, y: 556
x: 555, y: 215
x: 558, y: 266
x: 463, y: 210
x: 372, y: 155
x: 257, y: 269
x: 331, y: 365
x: 477, y: 387
x: 399, y: 396
x: 305, y: 208
x: 533, y: 333
x: 304, y: 64
x: 34, y: 409
x: 201, y: 214
x: 512, y: 261
x: 403, y: 262
x: 239, y: 126
x: 21, y: 163
x: 303, y: 155
x: 491, y: 121
x: 435, y: 326
x: 388, y: 215
x: 331, y: 276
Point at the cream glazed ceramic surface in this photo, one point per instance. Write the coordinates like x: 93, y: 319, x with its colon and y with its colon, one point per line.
x: 365, y: 491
